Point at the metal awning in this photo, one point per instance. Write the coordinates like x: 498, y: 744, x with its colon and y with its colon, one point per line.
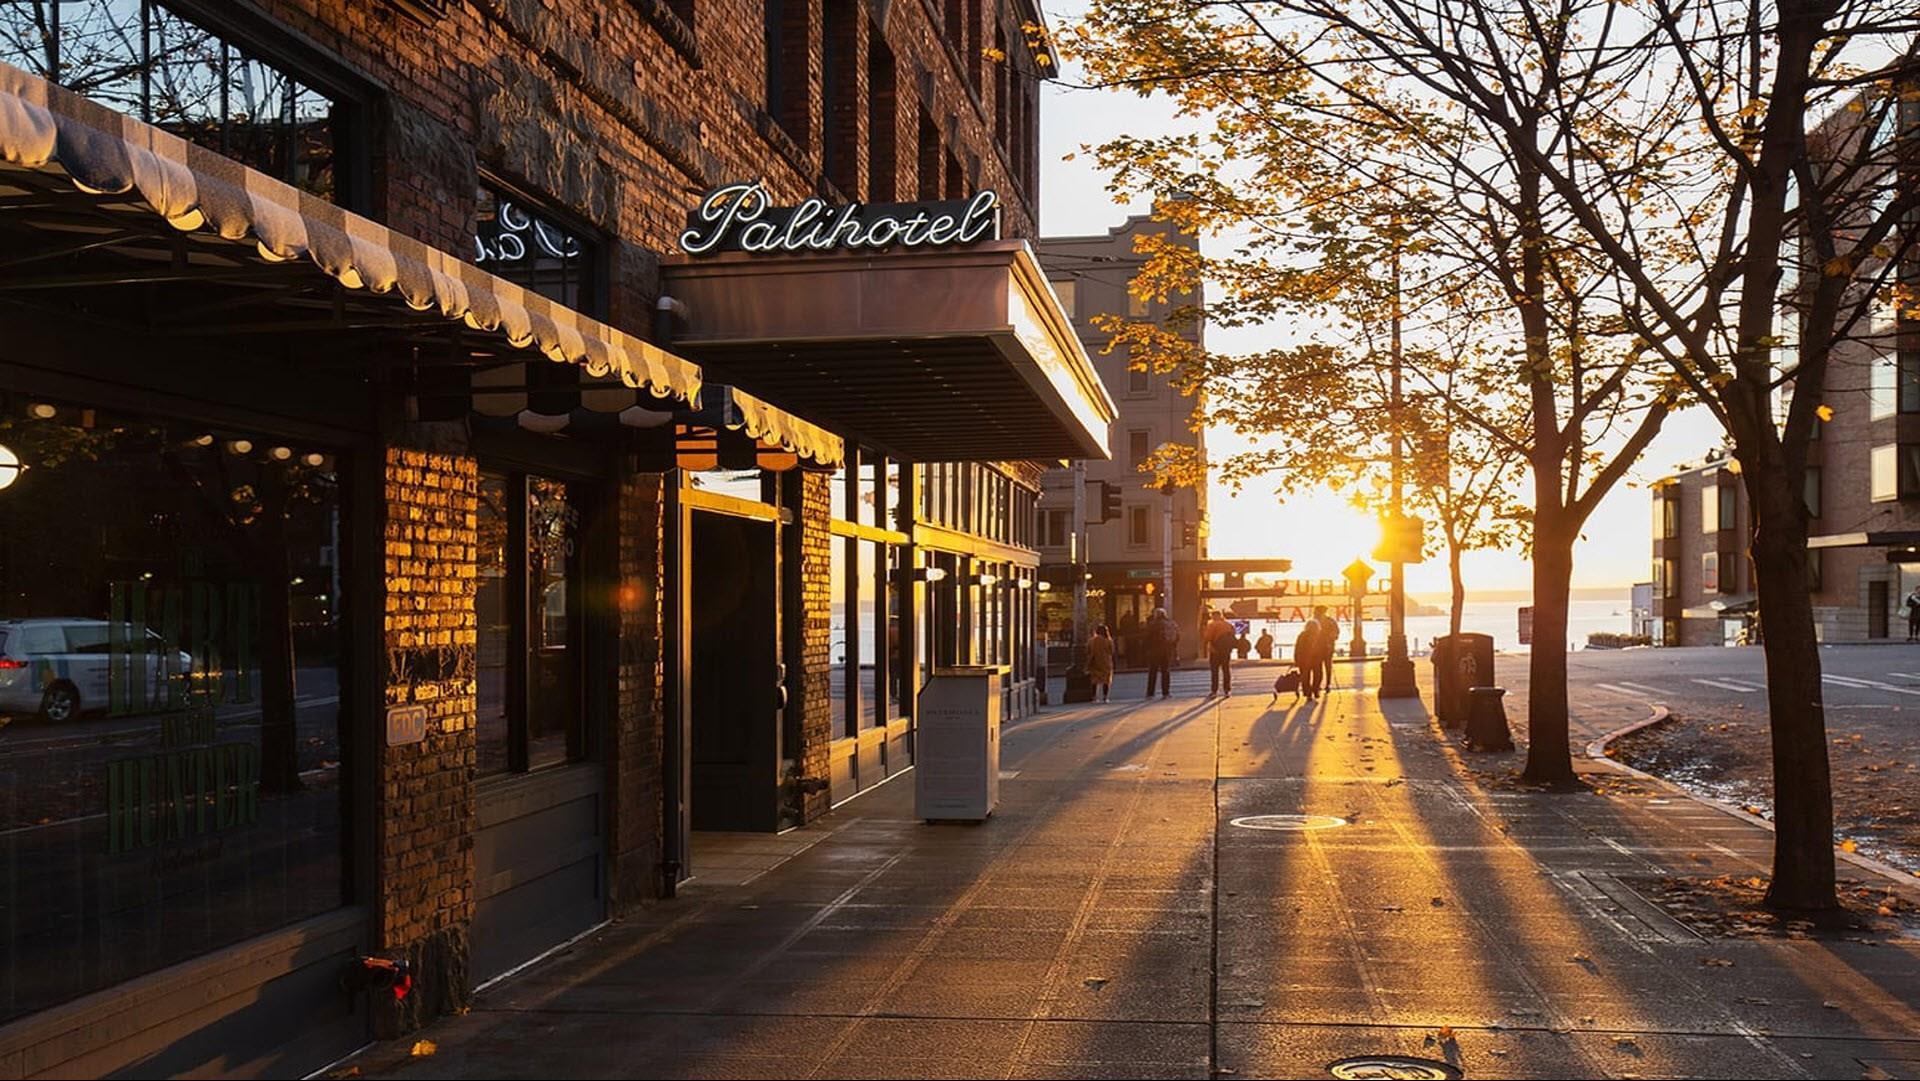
x: 1890, y: 538
x: 933, y: 355
x: 1722, y: 608
x: 151, y: 208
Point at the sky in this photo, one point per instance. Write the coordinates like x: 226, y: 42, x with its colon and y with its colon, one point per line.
x: 1321, y: 534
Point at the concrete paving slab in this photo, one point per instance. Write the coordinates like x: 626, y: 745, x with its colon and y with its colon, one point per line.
x: 1110, y: 923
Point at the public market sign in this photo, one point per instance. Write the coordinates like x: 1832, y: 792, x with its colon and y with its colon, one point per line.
x: 742, y: 217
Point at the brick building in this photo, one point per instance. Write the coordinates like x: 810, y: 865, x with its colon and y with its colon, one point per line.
x: 471, y: 448
x: 1863, y: 464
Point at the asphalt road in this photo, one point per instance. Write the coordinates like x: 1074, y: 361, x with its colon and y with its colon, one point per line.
x: 1873, y: 690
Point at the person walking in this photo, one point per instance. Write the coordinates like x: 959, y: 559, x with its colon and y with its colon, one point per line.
x: 1219, y: 639
x: 1329, y: 643
x: 1913, y: 615
x: 1100, y: 663
x: 1306, y: 657
x: 1163, y: 639
x: 1264, y: 644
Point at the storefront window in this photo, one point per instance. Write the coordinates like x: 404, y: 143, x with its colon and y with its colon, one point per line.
x: 528, y: 663
x: 897, y: 675
x: 739, y: 483
x: 837, y: 495
x: 171, y: 636
x: 866, y: 556
x: 139, y: 58
x: 867, y: 505
x: 842, y: 645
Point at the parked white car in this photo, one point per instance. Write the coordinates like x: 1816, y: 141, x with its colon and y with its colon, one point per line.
x: 58, y: 667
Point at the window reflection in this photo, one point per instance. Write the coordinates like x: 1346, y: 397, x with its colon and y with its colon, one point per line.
x: 142, y: 59
x: 171, y: 619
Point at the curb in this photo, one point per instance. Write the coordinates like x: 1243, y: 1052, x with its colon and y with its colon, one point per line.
x: 1597, y: 752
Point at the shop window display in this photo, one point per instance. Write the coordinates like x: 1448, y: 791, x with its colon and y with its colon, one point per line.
x: 171, y: 645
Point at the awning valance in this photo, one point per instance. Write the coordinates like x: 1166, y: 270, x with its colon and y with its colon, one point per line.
x: 772, y: 425
x: 46, y: 129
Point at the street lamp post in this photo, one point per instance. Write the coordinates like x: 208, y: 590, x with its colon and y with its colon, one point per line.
x: 1396, y: 671
x: 1358, y: 574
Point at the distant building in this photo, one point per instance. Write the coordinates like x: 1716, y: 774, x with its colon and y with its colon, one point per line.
x: 1124, y: 556
x: 1642, y: 613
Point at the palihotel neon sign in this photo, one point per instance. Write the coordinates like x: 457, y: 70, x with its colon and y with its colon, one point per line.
x: 742, y: 217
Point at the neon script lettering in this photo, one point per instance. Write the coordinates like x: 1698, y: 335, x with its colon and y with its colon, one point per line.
x: 742, y: 217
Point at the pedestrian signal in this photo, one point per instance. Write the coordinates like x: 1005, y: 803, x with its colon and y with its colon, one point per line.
x: 1403, y: 539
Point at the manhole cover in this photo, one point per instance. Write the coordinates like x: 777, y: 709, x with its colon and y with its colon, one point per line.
x: 1294, y: 823
x: 1394, y: 1068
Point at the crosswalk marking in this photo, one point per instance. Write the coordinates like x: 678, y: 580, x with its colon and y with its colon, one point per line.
x: 1622, y: 688
x: 1866, y: 684
x: 1641, y: 688
x: 1729, y: 685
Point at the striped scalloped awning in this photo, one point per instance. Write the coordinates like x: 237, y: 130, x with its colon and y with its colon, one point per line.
x: 777, y: 427
x: 43, y: 126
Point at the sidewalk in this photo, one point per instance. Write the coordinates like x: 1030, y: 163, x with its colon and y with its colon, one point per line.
x: 1110, y: 920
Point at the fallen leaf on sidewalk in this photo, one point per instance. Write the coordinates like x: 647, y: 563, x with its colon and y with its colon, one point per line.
x: 424, y: 1048
x: 1095, y: 982
x: 1716, y: 962
x: 1849, y: 846
x: 1438, y: 903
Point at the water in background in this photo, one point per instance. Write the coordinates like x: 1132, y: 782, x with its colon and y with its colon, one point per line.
x: 1498, y: 618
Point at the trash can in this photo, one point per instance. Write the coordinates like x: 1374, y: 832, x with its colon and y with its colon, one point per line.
x: 956, y: 759
x: 1487, y: 720
x: 1461, y: 662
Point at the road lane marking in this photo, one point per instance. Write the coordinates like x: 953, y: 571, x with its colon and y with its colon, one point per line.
x: 1642, y: 688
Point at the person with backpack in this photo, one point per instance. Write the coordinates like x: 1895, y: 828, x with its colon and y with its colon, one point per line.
x: 1163, y: 636
x: 1306, y: 657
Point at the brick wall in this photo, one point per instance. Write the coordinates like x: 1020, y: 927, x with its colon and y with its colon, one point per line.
x: 426, y: 805
x: 634, y: 754
x: 599, y: 107
x: 816, y: 704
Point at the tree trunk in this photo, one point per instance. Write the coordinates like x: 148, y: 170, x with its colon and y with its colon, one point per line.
x: 1549, y: 754
x: 1459, y: 589
x: 1803, y: 873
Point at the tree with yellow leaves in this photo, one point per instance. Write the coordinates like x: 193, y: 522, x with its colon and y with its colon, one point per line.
x: 1624, y: 173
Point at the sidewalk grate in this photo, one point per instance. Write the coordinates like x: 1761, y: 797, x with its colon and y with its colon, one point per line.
x: 1394, y: 1067
x: 1293, y: 823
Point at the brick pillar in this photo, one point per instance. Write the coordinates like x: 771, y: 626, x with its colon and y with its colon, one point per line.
x: 816, y: 615
x: 426, y: 802
x: 634, y: 757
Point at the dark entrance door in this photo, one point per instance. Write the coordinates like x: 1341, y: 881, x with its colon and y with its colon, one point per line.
x: 1877, y: 609
x: 735, y: 692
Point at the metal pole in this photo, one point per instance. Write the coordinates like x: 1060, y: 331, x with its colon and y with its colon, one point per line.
x: 1166, y: 559
x: 1396, y: 671
x: 1078, y: 555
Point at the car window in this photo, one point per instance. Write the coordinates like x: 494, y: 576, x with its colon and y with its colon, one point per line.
x: 86, y: 637
x: 42, y: 640
x: 3, y: 642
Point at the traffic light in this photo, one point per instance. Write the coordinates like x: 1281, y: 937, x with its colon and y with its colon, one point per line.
x: 1109, y: 501
x: 1403, y: 539
x: 1190, y: 536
